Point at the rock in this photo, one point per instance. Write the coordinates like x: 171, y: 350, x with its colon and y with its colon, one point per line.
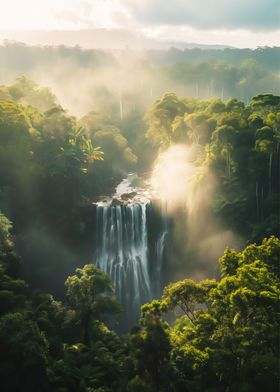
x: 116, y: 202
x: 127, y: 196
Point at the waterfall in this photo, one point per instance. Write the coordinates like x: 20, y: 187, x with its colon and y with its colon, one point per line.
x: 122, y: 251
x: 131, y: 235
x: 161, y: 246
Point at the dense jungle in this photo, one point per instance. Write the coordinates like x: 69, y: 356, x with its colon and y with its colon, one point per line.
x: 139, y: 219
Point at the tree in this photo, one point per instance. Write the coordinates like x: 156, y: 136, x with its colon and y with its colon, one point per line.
x: 90, y: 293
x: 151, y: 346
x: 23, y: 357
x: 28, y: 92
x: 115, y: 146
x: 200, y: 126
x: 78, y: 148
x: 160, y: 118
x: 16, y: 158
x: 186, y: 295
x: 8, y: 258
x: 233, y: 343
x: 224, y: 140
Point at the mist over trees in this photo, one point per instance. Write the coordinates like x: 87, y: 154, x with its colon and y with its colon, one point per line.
x: 123, y: 82
x: 241, y: 147
x: 232, y: 342
x: 57, y: 310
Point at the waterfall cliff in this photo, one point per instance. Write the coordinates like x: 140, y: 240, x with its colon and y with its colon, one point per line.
x: 131, y: 238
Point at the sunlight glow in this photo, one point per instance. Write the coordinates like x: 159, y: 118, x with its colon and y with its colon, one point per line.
x: 58, y: 14
x: 30, y: 15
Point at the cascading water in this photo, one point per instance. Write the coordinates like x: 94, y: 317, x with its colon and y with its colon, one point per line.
x: 122, y: 251
x: 128, y: 249
x: 161, y: 245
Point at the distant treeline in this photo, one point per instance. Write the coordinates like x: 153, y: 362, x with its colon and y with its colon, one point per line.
x: 19, y: 57
x: 17, y: 54
x: 126, y: 81
x: 268, y: 57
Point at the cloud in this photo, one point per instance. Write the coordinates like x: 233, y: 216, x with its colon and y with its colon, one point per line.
x: 207, y: 14
x: 242, y: 23
x: 94, y: 13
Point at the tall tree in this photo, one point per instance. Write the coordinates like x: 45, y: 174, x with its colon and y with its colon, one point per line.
x: 90, y: 293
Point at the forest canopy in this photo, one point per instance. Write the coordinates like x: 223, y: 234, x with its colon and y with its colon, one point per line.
x: 59, y: 314
x: 230, y: 343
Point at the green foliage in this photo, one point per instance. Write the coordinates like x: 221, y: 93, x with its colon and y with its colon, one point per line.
x: 227, y: 340
x: 12, y: 292
x: 265, y: 100
x: 115, y: 147
x: 100, y: 367
x: 239, y: 145
x: 186, y: 295
x: 224, y: 345
x: 160, y: 117
x: 41, y: 337
x: 150, y: 345
x: 47, y: 174
x: 102, y: 131
x: 90, y: 294
x: 5, y: 234
x: 28, y: 92
x: 107, y: 132
x: 138, y: 385
x: 23, y: 354
x: 77, y: 148
x: 226, y: 333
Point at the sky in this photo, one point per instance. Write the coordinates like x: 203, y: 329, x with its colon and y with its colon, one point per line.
x: 240, y: 23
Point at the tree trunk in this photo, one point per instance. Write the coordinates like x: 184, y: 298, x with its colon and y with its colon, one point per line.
x: 257, y: 199
x: 86, y: 329
x: 270, y: 171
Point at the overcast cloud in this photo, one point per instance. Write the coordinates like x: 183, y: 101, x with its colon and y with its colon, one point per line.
x: 232, y: 22
x: 207, y: 14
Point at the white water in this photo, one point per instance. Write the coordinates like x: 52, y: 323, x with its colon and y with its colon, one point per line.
x: 122, y: 249
x: 122, y: 252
